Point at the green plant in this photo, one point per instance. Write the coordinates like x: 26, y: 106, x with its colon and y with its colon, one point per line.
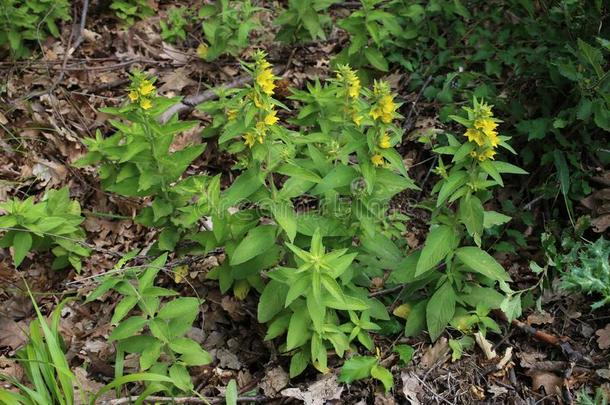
x: 304, y: 20
x: 131, y: 10
x: 600, y: 398
x: 162, y: 348
x: 175, y: 26
x: 24, y: 21
x: 342, y: 155
x: 46, y: 367
x: 137, y: 160
x: 588, y: 271
x: 226, y: 27
x: 360, y: 367
x: 371, y: 31
x: 468, y: 272
x: 52, y: 223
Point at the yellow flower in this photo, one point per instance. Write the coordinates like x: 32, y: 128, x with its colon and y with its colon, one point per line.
x: 133, y: 95
x: 377, y: 159
x: 384, y: 141
x: 264, y: 77
x: 493, y: 138
x: 474, y: 135
x: 487, y: 154
x: 231, y: 114
x: 350, y: 80
x: 249, y: 139
x: 357, y: 119
x: 146, y: 87
x: 271, y: 119
x: 145, y: 103
x: 385, y: 109
x: 486, y: 125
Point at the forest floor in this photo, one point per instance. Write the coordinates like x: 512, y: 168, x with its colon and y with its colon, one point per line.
x: 51, y: 103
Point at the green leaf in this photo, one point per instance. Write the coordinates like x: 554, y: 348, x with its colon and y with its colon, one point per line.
x: 181, y: 377
x: 490, y: 169
x: 187, y: 307
x: 123, y: 308
x: 482, y: 262
x: 375, y: 58
x: 22, y: 243
x: 405, y: 352
x: 503, y: 167
x: 285, y: 216
x: 440, y: 241
x: 272, y: 300
x: 493, y: 218
x: 563, y: 172
x: 127, y: 328
x: 450, y: 185
x: 440, y: 310
x: 416, y: 321
x: 357, y: 368
x: 511, y: 306
x: 383, y: 374
x: 298, y: 329
x: 298, y: 363
x: 471, y: 214
x: 231, y: 393
x: 257, y: 241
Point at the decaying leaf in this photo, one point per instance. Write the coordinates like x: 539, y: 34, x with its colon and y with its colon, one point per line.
x: 435, y: 353
x: 410, y: 387
x: 317, y: 393
x: 603, y: 337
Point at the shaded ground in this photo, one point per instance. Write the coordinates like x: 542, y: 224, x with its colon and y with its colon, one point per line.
x: 51, y: 103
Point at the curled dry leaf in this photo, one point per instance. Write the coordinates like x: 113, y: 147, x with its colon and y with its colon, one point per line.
x: 603, y: 337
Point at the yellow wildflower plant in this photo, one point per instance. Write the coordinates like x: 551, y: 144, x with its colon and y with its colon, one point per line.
x: 263, y: 74
x: 481, y: 130
x: 385, y: 107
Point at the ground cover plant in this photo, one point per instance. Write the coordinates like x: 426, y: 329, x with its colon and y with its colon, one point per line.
x: 316, y: 201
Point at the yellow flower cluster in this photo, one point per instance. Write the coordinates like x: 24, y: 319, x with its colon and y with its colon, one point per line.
x: 483, y: 132
x: 385, y: 108
x: 260, y: 130
x: 142, y: 94
x: 263, y: 72
x: 350, y: 86
x: 350, y: 80
x: 384, y: 143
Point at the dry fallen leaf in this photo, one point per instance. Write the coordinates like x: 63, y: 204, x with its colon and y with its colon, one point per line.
x: 435, y: 353
x: 11, y: 333
x: 551, y: 383
x: 540, y: 318
x: 603, y: 337
x: 274, y: 381
x: 411, y: 387
x: 317, y: 393
x: 484, y: 344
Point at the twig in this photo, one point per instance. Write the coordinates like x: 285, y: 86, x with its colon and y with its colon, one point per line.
x: 544, y: 337
x: 190, y: 102
x: 81, y: 28
x: 408, y: 124
x: 182, y: 400
x: 386, y: 291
